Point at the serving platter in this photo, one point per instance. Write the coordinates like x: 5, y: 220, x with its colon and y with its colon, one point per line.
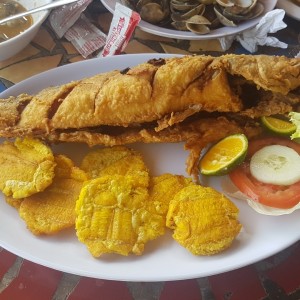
x: 184, y: 35
x: 291, y: 9
x: 163, y: 258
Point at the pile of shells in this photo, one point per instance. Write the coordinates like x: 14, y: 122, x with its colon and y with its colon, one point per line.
x: 198, y: 16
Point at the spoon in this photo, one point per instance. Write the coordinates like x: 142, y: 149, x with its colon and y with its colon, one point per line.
x: 34, y: 10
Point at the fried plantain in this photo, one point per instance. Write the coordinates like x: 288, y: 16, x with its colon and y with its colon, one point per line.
x: 16, y: 203
x: 113, y: 160
x: 162, y: 190
x: 27, y: 167
x: 112, y: 215
x: 54, y: 209
x: 204, y: 221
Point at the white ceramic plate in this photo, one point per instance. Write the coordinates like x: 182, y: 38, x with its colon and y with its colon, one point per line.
x: 291, y: 9
x: 163, y: 259
x: 184, y: 35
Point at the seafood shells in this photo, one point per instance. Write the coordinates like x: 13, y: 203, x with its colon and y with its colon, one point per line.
x: 198, y: 16
x: 230, y: 12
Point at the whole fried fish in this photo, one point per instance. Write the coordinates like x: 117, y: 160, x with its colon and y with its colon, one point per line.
x: 162, y: 100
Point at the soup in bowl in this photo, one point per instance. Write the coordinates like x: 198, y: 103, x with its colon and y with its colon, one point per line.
x: 16, y: 35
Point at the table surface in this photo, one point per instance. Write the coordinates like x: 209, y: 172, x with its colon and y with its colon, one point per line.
x: 277, y: 277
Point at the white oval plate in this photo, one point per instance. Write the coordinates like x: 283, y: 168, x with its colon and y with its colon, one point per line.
x: 184, y: 35
x: 163, y: 259
x: 291, y: 9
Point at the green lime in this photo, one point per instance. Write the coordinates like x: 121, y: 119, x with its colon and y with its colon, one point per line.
x: 223, y: 156
x: 278, y: 126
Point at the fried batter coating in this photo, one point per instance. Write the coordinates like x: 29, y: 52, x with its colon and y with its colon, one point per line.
x: 204, y: 221
x: 27, y: 167
x: 149, y: 92
x: 54, y: 209
x: 112, y: 215
x: 118, y: 160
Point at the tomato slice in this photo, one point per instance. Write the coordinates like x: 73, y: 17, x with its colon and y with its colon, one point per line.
x: 278, y: 196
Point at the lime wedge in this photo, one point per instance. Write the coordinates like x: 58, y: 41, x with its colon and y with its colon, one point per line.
x: 278, y: 126
x: 223, y: 156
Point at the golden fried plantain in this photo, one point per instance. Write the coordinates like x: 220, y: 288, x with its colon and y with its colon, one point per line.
x: 112, y: 215
x: 118, y: 160
x: 27, y: 167
x: 54, y: 209
x: 163, y: 188
x: 204, y: 221
x: 16, y: 203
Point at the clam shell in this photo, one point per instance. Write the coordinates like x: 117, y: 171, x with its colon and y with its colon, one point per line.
x: 223, y: 20
x: 179, y: 16
x: 245, y: 3
x: 198, y: 19
x: 152, y: 13
x: 206, y: 2
x: 183, y: 6
x: 255, y: 12
x: 225, y: 3
x: 180, y: 25
x: 198, y: 28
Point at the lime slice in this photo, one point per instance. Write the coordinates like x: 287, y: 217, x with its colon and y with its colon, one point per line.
x: 278, y: 126
x: 223, y: 156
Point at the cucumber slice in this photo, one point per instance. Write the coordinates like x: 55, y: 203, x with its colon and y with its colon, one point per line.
x: 276, y: 164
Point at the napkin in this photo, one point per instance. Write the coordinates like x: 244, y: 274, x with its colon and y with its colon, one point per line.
x: 250, y: 39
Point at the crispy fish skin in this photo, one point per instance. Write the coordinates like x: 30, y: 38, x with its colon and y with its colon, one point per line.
x: 197, y: 135
x: 11, y: 108
x: 112, y: 218
x: 27, y: 167
x: 204, y: 221
x: 146, y: 93
x: 274, y: 73
x: 53, y: 209
x: 149, y: 92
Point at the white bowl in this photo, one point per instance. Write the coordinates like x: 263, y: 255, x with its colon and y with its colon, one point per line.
x: 14, y: 45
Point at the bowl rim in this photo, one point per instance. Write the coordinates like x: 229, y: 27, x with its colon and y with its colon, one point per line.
x: 35, y: 25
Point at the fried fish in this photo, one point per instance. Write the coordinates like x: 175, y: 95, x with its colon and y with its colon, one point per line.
x: 162, y: 100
